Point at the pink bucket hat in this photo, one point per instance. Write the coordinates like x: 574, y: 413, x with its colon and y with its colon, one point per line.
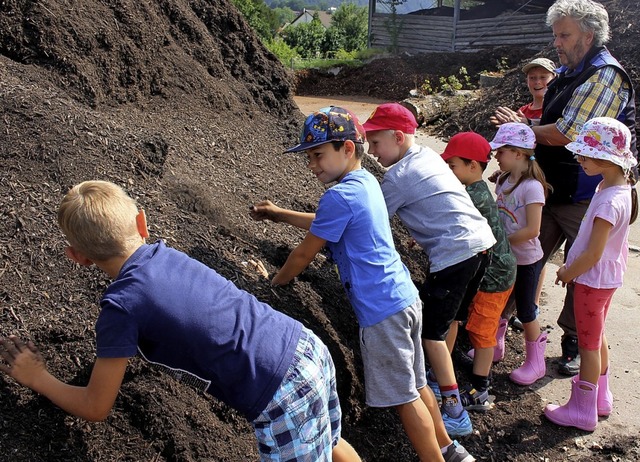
x: 607, y: 139
x: 514, y: 134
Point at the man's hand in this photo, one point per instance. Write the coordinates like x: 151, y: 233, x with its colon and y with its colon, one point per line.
x: 265, y: 210
x: 504, y: 115
x: 22, y: 361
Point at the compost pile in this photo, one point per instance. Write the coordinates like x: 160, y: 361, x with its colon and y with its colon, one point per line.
x: 178, y: 102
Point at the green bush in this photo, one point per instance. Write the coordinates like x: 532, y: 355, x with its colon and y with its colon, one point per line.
x: 282, y: 51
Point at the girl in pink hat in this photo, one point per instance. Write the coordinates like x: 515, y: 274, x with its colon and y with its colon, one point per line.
x: 596, y: 264
x: 521, y: 193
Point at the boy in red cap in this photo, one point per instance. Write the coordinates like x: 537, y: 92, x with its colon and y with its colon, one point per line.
x: 468, y: 154
x: 437, y: 211
x: 352, y: 223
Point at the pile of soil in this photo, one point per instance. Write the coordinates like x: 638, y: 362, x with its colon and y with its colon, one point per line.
x: 394, y: 77
x: 178, y: 102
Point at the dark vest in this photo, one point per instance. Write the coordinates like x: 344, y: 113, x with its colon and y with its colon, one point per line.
x: 562, y: 171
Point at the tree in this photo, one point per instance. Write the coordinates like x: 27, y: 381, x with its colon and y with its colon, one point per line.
x: 333, y: 42
x: 262, y: 19
x: 307, y: 39
x: 283, y: 51
x: 351, y: 22
x: 394, y: 23
x: 285, y: 15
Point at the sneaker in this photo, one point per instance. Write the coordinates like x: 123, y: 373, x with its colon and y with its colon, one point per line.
x: 569, y: 363
x: 474, y: 400
x: 457, y: 453
x: 434, y: 387
x: 457, y: 426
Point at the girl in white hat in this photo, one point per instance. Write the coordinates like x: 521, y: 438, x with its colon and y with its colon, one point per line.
x: 596, y: 264
x: 521, y: 192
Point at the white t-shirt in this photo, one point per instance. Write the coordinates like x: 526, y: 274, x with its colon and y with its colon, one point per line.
x: 436, y: 208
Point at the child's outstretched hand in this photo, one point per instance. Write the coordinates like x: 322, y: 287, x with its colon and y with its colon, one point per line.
x: 265, y: 210
x: 21, y: 361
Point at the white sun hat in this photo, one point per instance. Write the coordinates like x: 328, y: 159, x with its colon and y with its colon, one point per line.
x: 607, y: 139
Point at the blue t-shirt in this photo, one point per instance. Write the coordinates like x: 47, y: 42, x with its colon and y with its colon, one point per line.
x: 180, y: 314
x: 352, y: 217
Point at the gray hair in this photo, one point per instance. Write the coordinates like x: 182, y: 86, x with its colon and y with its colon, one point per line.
x: 591, y: 17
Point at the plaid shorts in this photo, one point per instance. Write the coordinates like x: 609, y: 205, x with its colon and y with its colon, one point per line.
x: 302, y: 421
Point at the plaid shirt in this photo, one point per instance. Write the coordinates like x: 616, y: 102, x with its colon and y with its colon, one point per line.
x: 605, y: 94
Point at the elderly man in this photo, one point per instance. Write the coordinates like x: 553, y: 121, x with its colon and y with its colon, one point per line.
x: 591, y: 83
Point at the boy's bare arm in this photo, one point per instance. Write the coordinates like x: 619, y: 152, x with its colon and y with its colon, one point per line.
x: 266, y: 210
x: 299, y: 259
x: 24, y: 363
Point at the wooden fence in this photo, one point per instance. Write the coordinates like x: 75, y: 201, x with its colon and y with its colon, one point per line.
x: 425, y: 34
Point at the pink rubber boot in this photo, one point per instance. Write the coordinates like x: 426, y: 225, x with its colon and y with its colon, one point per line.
x: 498, y: 350
x: 534, y: 367
x: 581, y: 411
x: 605, y: 398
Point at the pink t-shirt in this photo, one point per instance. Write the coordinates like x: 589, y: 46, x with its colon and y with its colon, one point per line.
x: 612, y: 204
x: 512, y: 208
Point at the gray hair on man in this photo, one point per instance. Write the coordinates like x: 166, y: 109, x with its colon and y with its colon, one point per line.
x: 590, y: 15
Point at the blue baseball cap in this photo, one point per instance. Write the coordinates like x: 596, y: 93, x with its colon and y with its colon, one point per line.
x: 328, y: 124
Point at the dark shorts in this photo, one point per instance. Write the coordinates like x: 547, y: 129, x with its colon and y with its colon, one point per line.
x: 524, y: 290
x: 447, y: 294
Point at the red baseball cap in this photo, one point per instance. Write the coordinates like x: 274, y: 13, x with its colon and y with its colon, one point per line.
x: 391, y: 116
x: 468, y: 145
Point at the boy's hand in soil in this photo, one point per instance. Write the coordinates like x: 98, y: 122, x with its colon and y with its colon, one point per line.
x: 265, y: 210
x: 22, y: 361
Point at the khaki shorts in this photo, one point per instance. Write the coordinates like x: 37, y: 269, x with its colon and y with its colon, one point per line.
x: 393, y: 358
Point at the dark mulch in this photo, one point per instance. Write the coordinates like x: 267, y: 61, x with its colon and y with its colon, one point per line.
x: 178, y: 102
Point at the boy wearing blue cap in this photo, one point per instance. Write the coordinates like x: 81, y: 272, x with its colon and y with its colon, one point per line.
x: 352, y: 222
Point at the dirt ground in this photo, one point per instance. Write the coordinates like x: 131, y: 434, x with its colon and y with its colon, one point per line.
x: 178, y: 102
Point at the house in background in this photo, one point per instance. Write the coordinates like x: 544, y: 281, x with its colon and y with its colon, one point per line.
x: 306, y: 16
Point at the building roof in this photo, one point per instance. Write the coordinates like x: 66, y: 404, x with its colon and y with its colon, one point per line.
x: 306, y: 16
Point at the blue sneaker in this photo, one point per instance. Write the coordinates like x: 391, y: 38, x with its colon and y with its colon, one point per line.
x: 434, y: 387
x: 457, y: 426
